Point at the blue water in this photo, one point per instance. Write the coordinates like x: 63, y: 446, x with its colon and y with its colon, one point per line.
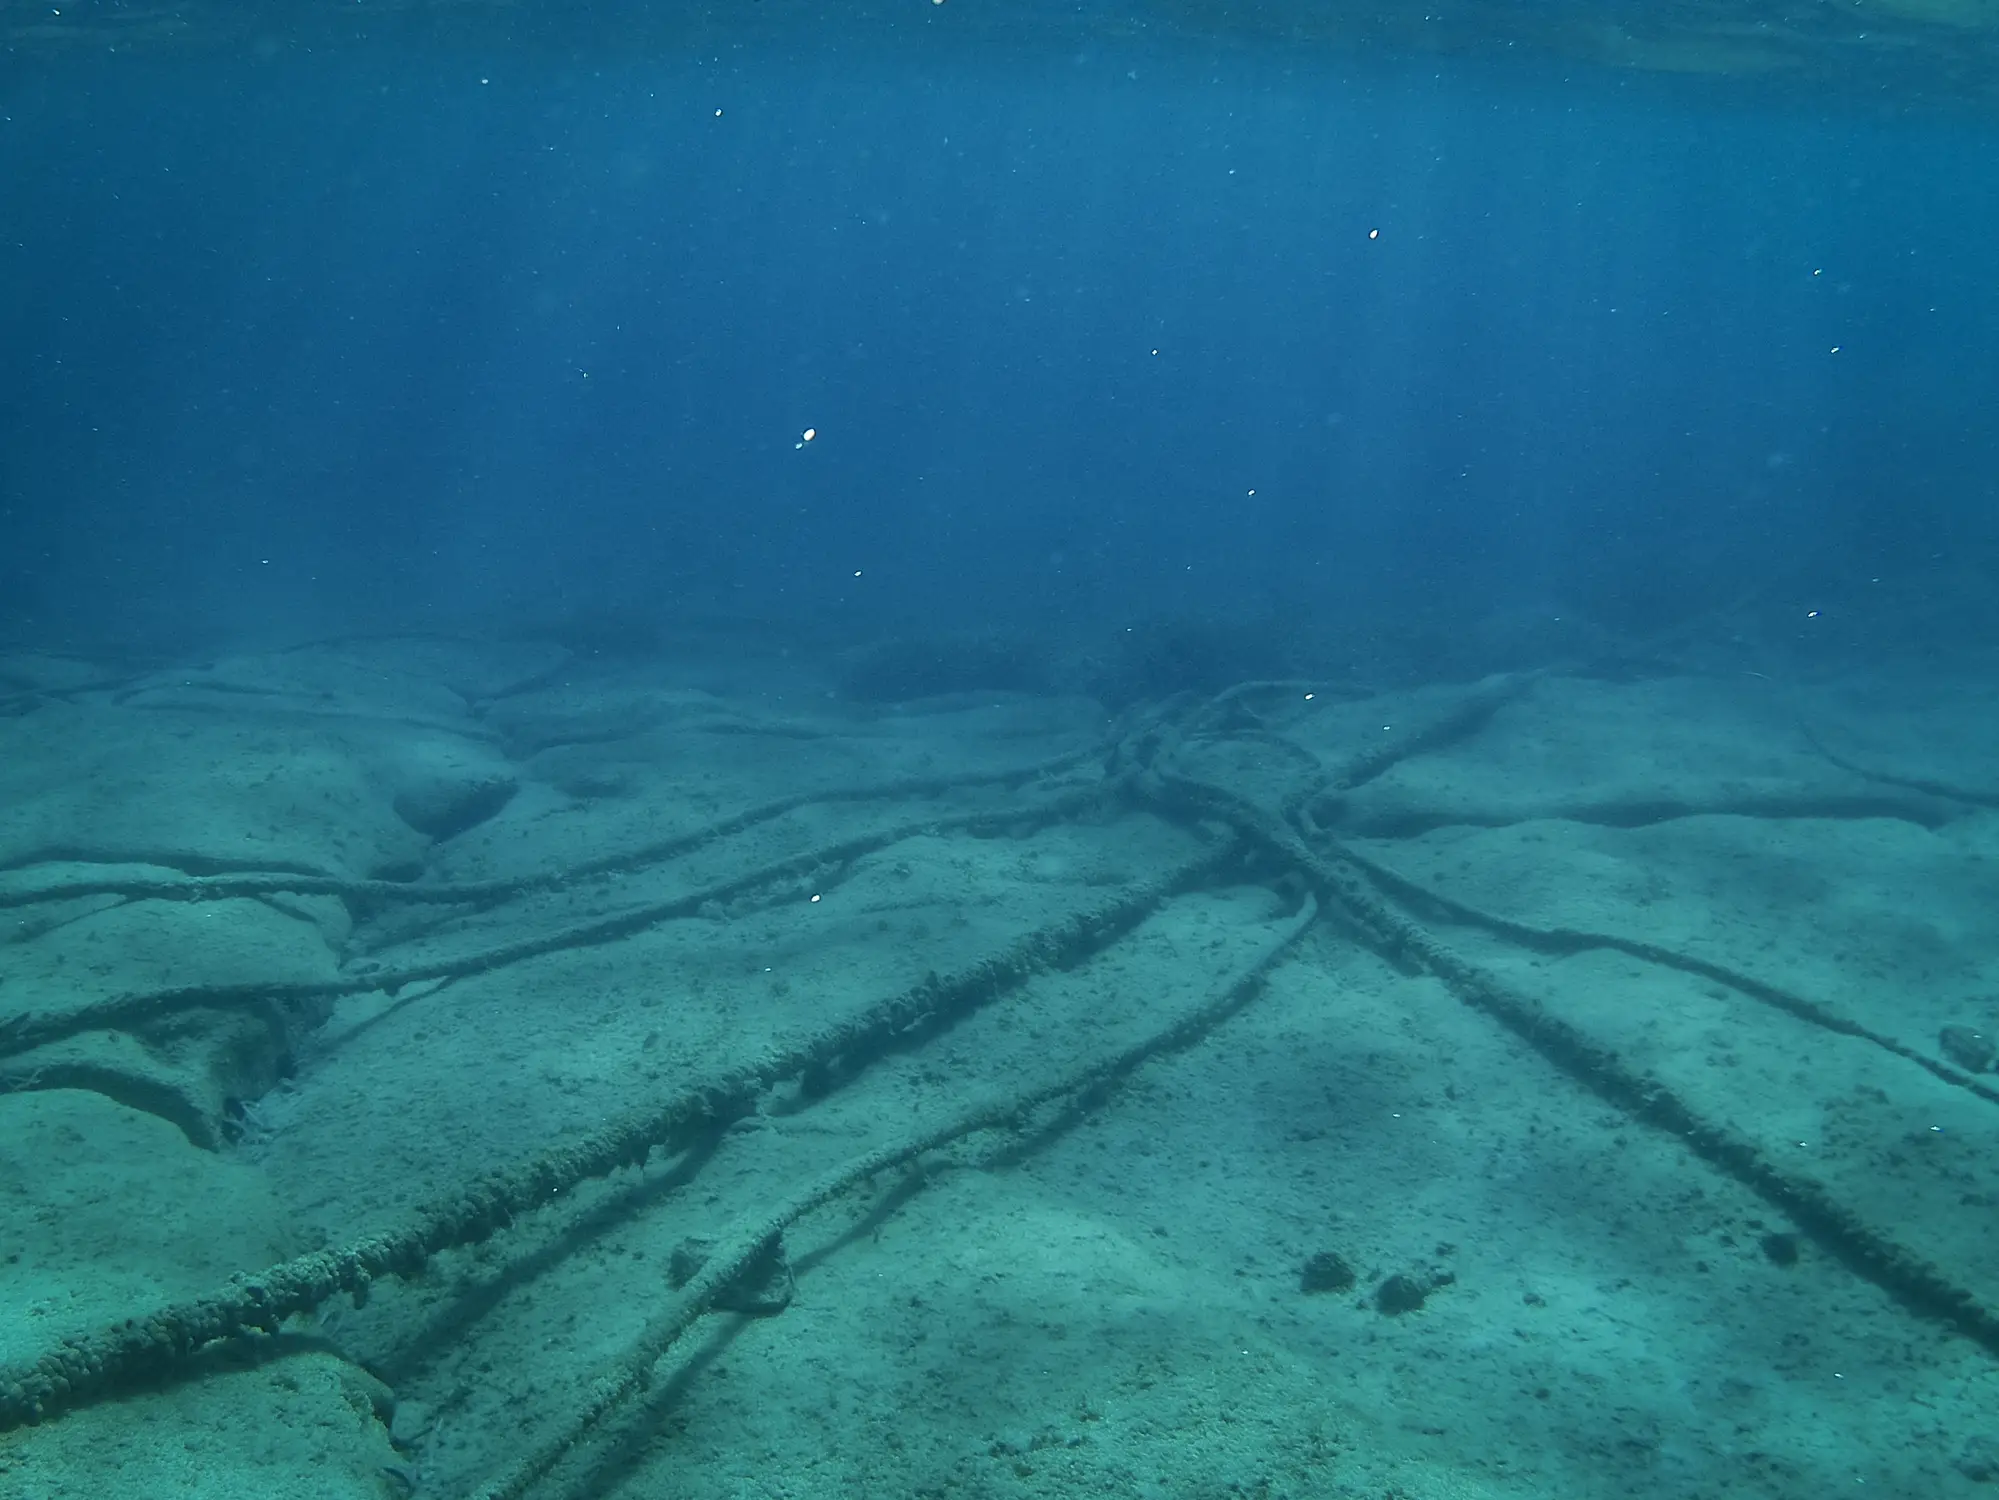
x: 382, y: 338
x: 1199, y: 767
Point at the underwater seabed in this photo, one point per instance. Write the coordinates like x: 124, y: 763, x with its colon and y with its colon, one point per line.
x: 460, y: 1069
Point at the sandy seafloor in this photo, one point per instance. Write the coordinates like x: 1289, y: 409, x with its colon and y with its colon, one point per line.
x: 1764, y: 899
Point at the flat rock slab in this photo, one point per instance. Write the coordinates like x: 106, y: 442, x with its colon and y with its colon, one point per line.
x: 1618, y: 753
x: 108, y: 1212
